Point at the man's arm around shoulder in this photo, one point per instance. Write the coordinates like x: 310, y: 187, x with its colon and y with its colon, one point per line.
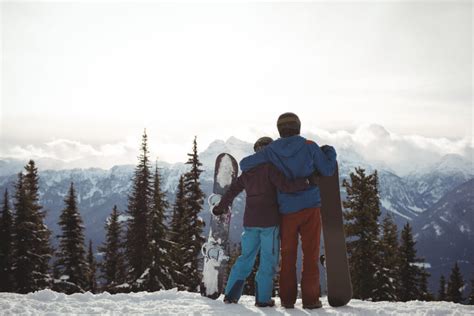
x: 283, y: 183
x: 254, y: 160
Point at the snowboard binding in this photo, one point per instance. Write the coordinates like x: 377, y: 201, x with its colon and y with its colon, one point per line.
x: 212, y: 250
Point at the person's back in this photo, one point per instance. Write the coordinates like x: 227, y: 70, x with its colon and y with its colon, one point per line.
x: 261, y: 204
x: 297, y: 157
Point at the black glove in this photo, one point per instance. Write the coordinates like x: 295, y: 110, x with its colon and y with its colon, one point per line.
x: 218, y: 210
x: 325, y: 148
x: 314, y: 178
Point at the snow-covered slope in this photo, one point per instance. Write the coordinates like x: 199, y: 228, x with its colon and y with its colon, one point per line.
x: 445, y: 233
x: 172, y: 302
x: 433, y: 182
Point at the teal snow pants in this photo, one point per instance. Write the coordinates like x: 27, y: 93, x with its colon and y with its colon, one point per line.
x: 254, y: 239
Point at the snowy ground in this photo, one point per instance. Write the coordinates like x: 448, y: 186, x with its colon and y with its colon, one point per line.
x: 171, y: 302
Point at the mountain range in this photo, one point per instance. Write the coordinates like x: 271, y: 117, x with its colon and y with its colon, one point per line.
x: 437, y: 200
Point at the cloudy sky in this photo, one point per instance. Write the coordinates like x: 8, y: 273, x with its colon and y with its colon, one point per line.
x: 86, y: 79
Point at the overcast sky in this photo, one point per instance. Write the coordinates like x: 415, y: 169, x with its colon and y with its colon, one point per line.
x: 99, y: 74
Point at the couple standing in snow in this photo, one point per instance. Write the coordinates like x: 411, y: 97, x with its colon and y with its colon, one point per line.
x: 283, y: 203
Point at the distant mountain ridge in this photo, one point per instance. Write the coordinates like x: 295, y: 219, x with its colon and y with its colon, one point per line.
x: 413, y: 198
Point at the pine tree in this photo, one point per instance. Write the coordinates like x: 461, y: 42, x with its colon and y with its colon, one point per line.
x: 71, y: 257
x: 112, y: 267
x: 32, y: 250
x: 387, y: 276
x: 409, y: 271
x: 6, y: 246
x: 442, y: 289
x: 177, y: 236
x: 424, y: 293
x: 362, y: 230
x: 139, y: 207
x: 24, y: 235
x: 194, y: 224
x: 455, y: 285
x: 41, y: 242
x: 91, y: 279
x: 159, y: 272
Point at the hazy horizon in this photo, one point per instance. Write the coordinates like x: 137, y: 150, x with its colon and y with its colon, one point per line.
x: 374, y: 145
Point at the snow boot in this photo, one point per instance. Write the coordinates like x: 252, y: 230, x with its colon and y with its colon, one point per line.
x: 229, y: 300
x: 271, y: 303
x: 313, y: 306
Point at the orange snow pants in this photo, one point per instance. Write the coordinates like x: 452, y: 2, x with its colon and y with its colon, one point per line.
x: 307, y: 224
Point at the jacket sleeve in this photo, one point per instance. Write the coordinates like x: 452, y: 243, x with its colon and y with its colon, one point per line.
x: 324, y: 159
x: 235, y: 188
x: 254, y: 160
x: 284, y: 184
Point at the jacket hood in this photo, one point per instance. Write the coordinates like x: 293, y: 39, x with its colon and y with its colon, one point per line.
x: 288, y: 146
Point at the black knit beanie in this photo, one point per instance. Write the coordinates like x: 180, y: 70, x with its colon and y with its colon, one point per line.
x: 261, y: 143
x: 288, y: 124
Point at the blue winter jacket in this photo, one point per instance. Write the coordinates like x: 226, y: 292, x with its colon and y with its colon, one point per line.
x: 296, y: 157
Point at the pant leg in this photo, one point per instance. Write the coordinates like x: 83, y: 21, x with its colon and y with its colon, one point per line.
x: 310, y: 231
x: 269, y: 256
x: 244, y: 263
x: 289, y: 247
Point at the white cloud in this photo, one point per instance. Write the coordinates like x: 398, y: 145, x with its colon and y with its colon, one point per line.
x: 401, y: 153
x: 64, y: 153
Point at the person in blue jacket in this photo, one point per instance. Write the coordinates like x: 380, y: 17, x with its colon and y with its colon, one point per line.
x: 297, y: 157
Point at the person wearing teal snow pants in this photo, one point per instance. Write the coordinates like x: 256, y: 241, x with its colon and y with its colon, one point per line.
x: 255, y: 239
x: 261, y: 221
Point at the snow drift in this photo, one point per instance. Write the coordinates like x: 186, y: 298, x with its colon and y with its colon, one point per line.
x: 172, y: 302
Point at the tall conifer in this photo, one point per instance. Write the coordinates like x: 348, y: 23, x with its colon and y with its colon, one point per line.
x: 387, y: 275
x: 442, y: 289
x: 139, y: 207
x: 194, y: 224
x: 71, y: 261
x: 6, y: 246
x: 177, y: 236
x: 362, y: 230
x: 409, y: 270
x: 455, y: 285
x: 41, y: 243
x: 113, y: 264
x: 159, y: 273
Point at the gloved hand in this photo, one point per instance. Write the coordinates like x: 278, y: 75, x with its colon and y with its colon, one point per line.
x: 329, y: 151
x: 313, y: 179
x: 326, y: 148
x: 219, y: 210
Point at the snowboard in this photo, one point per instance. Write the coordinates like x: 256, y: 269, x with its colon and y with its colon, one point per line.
x: 338, y: 277
x: 215, y: 250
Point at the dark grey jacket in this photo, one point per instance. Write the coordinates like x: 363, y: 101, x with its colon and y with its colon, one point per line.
x: 261, y: 184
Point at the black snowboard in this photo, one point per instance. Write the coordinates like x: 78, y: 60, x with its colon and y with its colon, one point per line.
x: 215, y: 250
x: 338, y: 277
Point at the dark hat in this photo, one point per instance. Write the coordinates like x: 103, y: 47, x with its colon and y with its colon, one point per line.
x: 288, y: 124
x: 261, y: 143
